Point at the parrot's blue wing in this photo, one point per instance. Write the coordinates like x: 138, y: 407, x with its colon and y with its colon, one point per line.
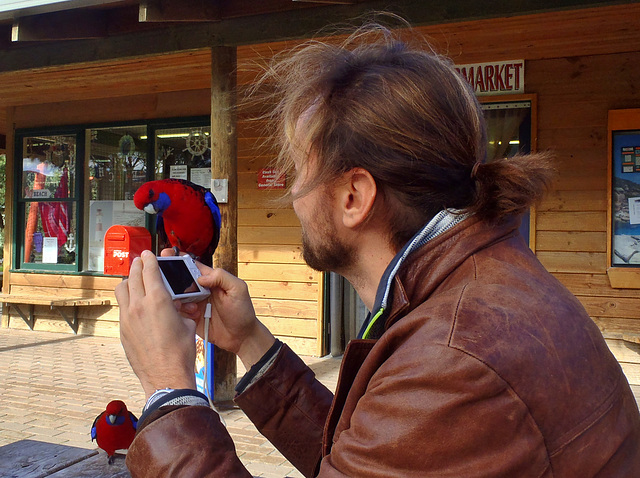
x: 134, y: 420
x: 94, y: 431
x: 210, y: 200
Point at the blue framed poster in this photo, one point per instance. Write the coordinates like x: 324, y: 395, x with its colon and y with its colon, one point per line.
x: 623, y: 211
x: 625, y: 198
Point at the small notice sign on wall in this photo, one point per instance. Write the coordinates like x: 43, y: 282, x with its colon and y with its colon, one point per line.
x: 201, y: 176
x: 494, y: 78
x: 269, y: 178
x: 178, y: 171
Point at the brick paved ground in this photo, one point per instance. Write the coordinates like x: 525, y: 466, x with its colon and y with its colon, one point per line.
x: 52, y: 386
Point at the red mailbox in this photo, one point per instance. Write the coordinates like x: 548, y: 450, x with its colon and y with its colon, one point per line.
x: 121, y: 245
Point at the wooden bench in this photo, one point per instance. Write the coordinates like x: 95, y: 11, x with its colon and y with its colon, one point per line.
x: 59, y: 304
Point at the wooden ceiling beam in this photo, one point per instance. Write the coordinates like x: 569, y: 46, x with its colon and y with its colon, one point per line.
x: 335, y: 2
x: 65, y: 25
x: 5, y: 36
x: 156, y: 11
x: 179, y: 11
x: 265, y: 28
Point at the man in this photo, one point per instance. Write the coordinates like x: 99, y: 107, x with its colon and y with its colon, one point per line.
x: 475, y: 361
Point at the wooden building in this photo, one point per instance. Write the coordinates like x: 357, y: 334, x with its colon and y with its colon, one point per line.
x: 578, y: 67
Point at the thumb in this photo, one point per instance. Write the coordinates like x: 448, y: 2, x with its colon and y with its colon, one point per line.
x: 217, y: 279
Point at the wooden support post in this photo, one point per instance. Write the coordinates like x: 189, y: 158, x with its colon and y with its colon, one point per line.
x: 224, y: 165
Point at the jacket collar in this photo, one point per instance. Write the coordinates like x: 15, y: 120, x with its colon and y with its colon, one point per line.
x: 441, y: 222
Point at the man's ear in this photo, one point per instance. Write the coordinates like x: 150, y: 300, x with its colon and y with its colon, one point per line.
x: 357, y: 196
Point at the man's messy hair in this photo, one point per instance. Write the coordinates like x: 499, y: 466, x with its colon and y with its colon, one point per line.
x: 402, y: 112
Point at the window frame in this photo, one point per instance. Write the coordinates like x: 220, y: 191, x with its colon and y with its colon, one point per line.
x: 19, y: 229
x: 81, y: 192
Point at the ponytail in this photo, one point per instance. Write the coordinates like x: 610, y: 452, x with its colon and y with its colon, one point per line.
x: 509, y: 186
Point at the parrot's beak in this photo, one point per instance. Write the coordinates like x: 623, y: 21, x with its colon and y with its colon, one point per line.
x: 112, y: 418
x: 150, y: 209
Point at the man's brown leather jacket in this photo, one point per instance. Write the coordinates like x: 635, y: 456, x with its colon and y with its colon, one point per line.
x: 488, y: 367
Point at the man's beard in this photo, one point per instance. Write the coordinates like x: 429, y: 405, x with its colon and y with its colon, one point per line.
x: 328, y: 254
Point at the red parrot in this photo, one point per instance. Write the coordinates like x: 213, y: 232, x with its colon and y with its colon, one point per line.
x: 114, y: 429
x: 187, y: 213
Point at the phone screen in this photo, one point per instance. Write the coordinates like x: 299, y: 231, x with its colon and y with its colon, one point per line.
x: 178, y: 276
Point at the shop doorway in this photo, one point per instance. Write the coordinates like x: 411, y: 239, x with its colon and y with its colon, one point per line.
x: 509, y: 132
x: 344, y: 314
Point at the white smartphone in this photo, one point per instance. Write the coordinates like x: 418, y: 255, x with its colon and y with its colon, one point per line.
x: 180, y: 275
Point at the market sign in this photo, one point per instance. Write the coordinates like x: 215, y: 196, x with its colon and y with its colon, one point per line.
x: 494, y: 78
x: 269, y: 178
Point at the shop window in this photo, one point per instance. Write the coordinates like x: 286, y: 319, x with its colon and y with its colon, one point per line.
x: 76, y: 183
x: 48, y: 201
x: 117, y: 168
x: 623, y: 224
x: 508, y: 128
x: 184, y: 153
x: 181, y: 152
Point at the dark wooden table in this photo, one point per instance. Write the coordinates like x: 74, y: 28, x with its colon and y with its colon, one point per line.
x: 35, y: 459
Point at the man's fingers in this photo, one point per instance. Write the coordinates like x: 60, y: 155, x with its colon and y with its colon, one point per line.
x: 151, y: 274
x: 122, y: 294
x: 135, y: 281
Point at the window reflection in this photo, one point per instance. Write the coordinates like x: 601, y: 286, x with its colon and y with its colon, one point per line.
x: 183, y: 153
x: 48, y: 173
x: 117, y: 168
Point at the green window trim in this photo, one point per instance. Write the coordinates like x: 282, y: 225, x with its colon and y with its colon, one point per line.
x: 55, y: 169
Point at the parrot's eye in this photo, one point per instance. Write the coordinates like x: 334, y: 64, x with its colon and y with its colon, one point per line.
x: 150, y: 193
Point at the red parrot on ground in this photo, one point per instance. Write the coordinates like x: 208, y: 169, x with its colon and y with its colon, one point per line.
x: 114, y: 429
x: 187, y: 213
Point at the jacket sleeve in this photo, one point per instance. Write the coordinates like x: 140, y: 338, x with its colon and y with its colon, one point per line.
x: 184, y: 441
x: 287, y: 404
x: 290, y: 406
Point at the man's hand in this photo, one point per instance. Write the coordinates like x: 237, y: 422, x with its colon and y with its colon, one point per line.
x: 234, y: 325
x: 158, y: 342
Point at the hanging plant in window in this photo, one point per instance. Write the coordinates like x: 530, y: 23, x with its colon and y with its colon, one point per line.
x: 127, y: 145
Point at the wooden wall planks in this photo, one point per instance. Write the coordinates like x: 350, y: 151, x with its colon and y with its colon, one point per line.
x: 575, y: 95
x: 284, y: 289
